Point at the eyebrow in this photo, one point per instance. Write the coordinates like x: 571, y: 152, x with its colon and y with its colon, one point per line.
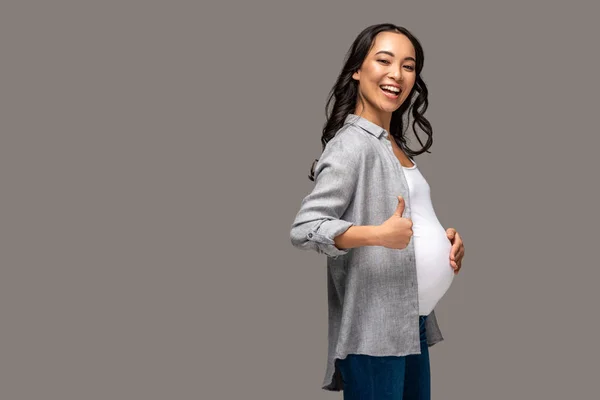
x: 393, y: 55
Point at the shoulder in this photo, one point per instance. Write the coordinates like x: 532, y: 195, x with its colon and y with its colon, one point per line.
x: 350, y: 142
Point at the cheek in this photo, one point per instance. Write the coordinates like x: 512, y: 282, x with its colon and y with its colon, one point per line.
x: 374, y: 73
x: 370, y: 83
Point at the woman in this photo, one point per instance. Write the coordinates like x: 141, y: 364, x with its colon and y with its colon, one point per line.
x: 368, y: 202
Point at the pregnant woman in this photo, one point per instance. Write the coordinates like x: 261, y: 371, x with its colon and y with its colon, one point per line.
x: 389, y: 260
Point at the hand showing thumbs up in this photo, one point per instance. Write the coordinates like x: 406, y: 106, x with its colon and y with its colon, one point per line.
x: 395, y: 233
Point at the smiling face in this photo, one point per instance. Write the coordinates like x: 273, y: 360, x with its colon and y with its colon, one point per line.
x: 391, y: 61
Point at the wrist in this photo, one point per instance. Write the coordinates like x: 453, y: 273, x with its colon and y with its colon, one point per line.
x: 373, y: 237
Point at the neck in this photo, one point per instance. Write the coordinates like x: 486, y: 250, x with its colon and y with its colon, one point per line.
x: 381, y: 118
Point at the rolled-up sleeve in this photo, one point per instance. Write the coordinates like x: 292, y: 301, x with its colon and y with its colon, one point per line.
x: 318, y: 221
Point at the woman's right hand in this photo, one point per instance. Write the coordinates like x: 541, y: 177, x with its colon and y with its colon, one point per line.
x: 395, y: 233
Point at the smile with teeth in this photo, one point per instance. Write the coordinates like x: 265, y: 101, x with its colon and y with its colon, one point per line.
x: 390, y: 91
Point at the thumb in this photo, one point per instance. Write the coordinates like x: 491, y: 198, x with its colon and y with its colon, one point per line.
x: 400, y: 209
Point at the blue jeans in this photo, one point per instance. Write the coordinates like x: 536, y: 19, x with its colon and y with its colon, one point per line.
x: 388, y: 377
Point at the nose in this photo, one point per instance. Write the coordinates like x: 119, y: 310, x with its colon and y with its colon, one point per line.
x: 396, y: 75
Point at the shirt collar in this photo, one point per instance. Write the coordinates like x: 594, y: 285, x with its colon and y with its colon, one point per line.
x: 365, y: 124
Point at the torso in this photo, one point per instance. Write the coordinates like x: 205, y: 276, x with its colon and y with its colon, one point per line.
x: 431, y: 245
x: 404, y: 160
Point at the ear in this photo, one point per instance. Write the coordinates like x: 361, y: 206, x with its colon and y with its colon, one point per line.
x: 356, y: 75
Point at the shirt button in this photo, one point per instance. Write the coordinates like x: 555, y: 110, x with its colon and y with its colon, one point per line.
x: 310, y: 235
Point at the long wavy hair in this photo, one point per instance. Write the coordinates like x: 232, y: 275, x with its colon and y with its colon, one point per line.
x: 344, y: 94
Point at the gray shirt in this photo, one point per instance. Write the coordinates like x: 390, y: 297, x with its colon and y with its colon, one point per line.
x: 372, y: 290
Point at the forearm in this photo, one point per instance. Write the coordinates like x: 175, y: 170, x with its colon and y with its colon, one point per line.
x: 357, y: 236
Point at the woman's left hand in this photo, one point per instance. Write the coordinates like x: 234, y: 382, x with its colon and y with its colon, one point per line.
x: 458, y: 249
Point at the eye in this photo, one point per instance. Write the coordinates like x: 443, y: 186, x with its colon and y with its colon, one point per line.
x: 384, y: 61
x: 411, y: 67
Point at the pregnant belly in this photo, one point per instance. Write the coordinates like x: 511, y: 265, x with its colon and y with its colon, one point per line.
x: 434, y: 271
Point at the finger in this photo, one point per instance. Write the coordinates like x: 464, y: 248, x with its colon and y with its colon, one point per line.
x: 458, y: 239
x: 460, y: 254
x: 454, y: 251
x: 400, y: 207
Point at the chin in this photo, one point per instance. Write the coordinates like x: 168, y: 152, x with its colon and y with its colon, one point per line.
x: 390, y: 109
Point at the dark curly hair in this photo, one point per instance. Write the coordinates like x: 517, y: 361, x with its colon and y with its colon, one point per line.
x: 345, y: 93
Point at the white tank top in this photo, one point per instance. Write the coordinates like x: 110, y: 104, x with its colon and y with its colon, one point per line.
x: 432, y: 246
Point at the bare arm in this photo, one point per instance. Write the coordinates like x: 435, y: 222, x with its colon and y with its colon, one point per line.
x: 357, y: 236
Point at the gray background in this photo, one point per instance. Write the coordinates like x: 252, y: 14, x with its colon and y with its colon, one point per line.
x: 154, y: 155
